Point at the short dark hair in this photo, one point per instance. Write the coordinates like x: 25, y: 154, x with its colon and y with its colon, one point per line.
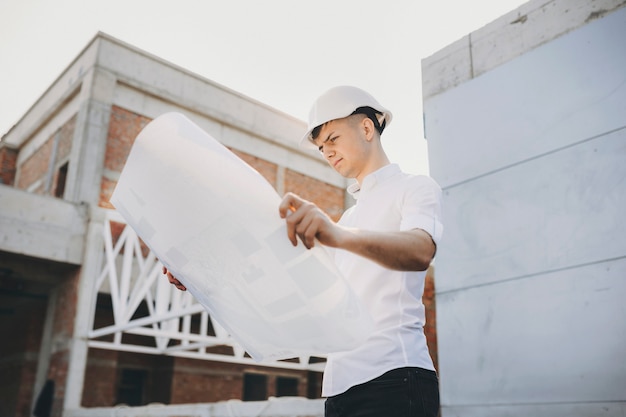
x: 372, y: 115
x: 316, y: 131
x: 367, y: 111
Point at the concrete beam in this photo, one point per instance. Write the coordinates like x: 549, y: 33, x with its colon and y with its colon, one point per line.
x: 41, y: 227
x: 144, y: 71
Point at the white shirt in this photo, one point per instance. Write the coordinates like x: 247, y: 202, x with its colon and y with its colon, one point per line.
x: 387, y: 200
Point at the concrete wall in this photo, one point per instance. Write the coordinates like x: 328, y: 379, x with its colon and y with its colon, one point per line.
x: 526, y: 123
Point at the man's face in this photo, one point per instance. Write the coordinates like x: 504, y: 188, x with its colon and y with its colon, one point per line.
x: 344, y: 145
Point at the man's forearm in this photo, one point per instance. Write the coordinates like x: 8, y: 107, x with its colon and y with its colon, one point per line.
x: 403, y: 251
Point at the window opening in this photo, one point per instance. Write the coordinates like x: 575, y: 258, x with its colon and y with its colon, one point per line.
x: 286, y: 386
x: 59, y: 190
x: 131, y: 387
x: 254, y: 387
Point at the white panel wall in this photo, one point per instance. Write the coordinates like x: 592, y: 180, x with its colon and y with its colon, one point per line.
x: 559, y: 94
x: 531, y: 274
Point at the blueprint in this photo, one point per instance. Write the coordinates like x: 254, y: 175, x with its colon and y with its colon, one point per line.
x: 213, y: 221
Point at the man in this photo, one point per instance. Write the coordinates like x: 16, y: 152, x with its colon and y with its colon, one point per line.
x: 382, y: 245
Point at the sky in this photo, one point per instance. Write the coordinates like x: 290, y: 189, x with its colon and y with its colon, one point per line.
x: 283, y: 53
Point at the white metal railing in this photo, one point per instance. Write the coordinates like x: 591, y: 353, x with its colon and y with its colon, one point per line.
x: 145, y: 304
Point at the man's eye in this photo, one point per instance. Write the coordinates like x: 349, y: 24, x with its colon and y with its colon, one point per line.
x: 332, y: 140
x: 321, y: 149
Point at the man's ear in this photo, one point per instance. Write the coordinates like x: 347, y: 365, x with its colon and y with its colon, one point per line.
x: 368, y: 128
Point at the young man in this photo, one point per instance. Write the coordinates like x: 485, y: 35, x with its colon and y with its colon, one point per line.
x: 383, y: 246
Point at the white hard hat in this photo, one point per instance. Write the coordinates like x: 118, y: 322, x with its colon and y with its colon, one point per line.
x: 340, y: 102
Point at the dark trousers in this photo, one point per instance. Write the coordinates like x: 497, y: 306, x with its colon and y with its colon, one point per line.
x: 404, y: 392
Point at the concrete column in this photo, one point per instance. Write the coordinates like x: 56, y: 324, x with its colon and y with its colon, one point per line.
x: 280, y: 180
x: 86, y: 300
x: 83, y: 185
x: 89, y: 143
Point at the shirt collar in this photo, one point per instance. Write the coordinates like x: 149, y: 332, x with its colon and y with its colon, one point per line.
x: 373, y: 179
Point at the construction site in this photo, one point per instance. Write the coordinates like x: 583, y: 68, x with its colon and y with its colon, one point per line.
x: 93, y: 328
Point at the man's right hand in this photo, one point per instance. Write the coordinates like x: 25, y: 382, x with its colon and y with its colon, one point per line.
x: 172, y: 279
x: 307, y: 221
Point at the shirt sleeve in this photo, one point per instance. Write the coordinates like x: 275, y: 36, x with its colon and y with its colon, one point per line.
x: 421, y: 207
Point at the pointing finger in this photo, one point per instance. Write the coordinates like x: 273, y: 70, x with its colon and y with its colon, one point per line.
x: 290, y: 203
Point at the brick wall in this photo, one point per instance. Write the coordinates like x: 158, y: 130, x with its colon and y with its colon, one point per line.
x: 54, y: 151
x: 19, y: 355
x: 100, y: 378
x: 203, y: 381
x: 8, y: 159
x: 328, y: 197
x: 62, y: 332
x: 36, y: 166
x: 194, y: 381
x: 124, y: 126
x: 104, y: 373
x: 178, y: 380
